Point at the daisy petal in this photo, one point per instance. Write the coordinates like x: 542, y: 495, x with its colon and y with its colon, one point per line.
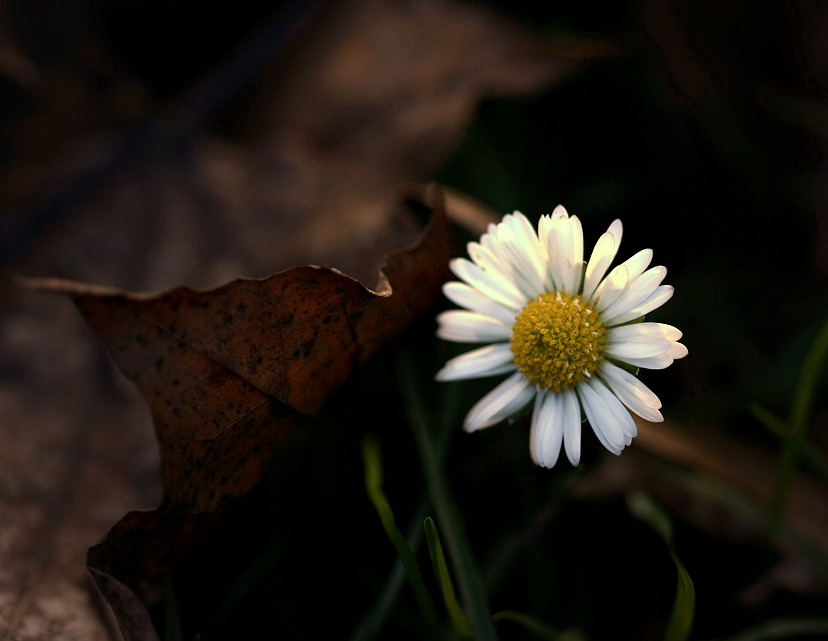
x: 672, y: 333
x: 632, y: 392
x: 476, y: 301
x: 518, y: 267
x: 571, y: 420
x: 677, y: 350
x: 625, y: 421
x: 505, y: 399
x: 577, y: 241
x: 638, y: 347
x: 659, y: 361
x: 545, y: 226
x: 638, y: 290
x: 602, y: 419
x: 661, y: 295
x: 576, y: 269
x: 549, y: 431
x: 486, y: 361
x: 533, y: 430
x: 617, y: 230
x: 498, y: 289
x: 521, y: 256
x: 602, y: 256
x: 470, y: 327
x: 525, y: 232
x: 632, y: 332
x: 611, y: 288
x: 563, y: 255
x: 558, y: 212
x: 487, y: 260
x: 637, y: 263
x: 497, y: 263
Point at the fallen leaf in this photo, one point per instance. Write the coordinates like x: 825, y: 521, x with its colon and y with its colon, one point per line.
x: 227, y: 374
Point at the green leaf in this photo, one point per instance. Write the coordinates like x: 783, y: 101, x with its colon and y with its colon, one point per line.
x: 373, y: 484
x: 465, y: 569
x: 537, y: 627
x: 684, y: 606
x: 438, y: 560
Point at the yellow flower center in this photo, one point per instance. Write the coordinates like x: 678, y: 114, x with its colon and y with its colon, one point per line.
x: 557, y: 341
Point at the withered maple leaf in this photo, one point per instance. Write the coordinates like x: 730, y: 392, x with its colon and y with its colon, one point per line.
x: 227, y: 374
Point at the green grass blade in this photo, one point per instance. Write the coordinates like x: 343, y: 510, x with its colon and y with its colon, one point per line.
x: 792, y: 433
x: 371, y: 624
x: 537, y: 627
x: 808, y: 379
x: 438, y: 560
x: 769, y: 420
x: 373, y: 484
x: 466, y: 573
x: 684, y: 605
x: 791, y: 447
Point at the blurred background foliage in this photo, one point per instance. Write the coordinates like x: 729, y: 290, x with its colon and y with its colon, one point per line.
x: 703, y: 126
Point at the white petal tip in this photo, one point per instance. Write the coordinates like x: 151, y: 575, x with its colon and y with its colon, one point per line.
x: 677, y: 350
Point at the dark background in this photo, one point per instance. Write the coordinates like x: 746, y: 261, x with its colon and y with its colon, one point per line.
x: 146, y: 144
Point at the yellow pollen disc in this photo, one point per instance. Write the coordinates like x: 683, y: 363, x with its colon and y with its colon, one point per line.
x: 557, y: 341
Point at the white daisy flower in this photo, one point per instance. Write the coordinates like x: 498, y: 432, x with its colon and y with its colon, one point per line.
x: 564, y: 332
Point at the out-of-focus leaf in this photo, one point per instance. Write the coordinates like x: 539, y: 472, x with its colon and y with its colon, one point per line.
x: 684, y: 606
x: 373, y: 485
x: 438, y: 560
x: 738, y: 471
x: 227, y: 374
x: 537, y: 627
x: 788, y: 628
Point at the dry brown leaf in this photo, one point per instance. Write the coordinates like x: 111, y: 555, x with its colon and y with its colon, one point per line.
x: 227, y: 374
